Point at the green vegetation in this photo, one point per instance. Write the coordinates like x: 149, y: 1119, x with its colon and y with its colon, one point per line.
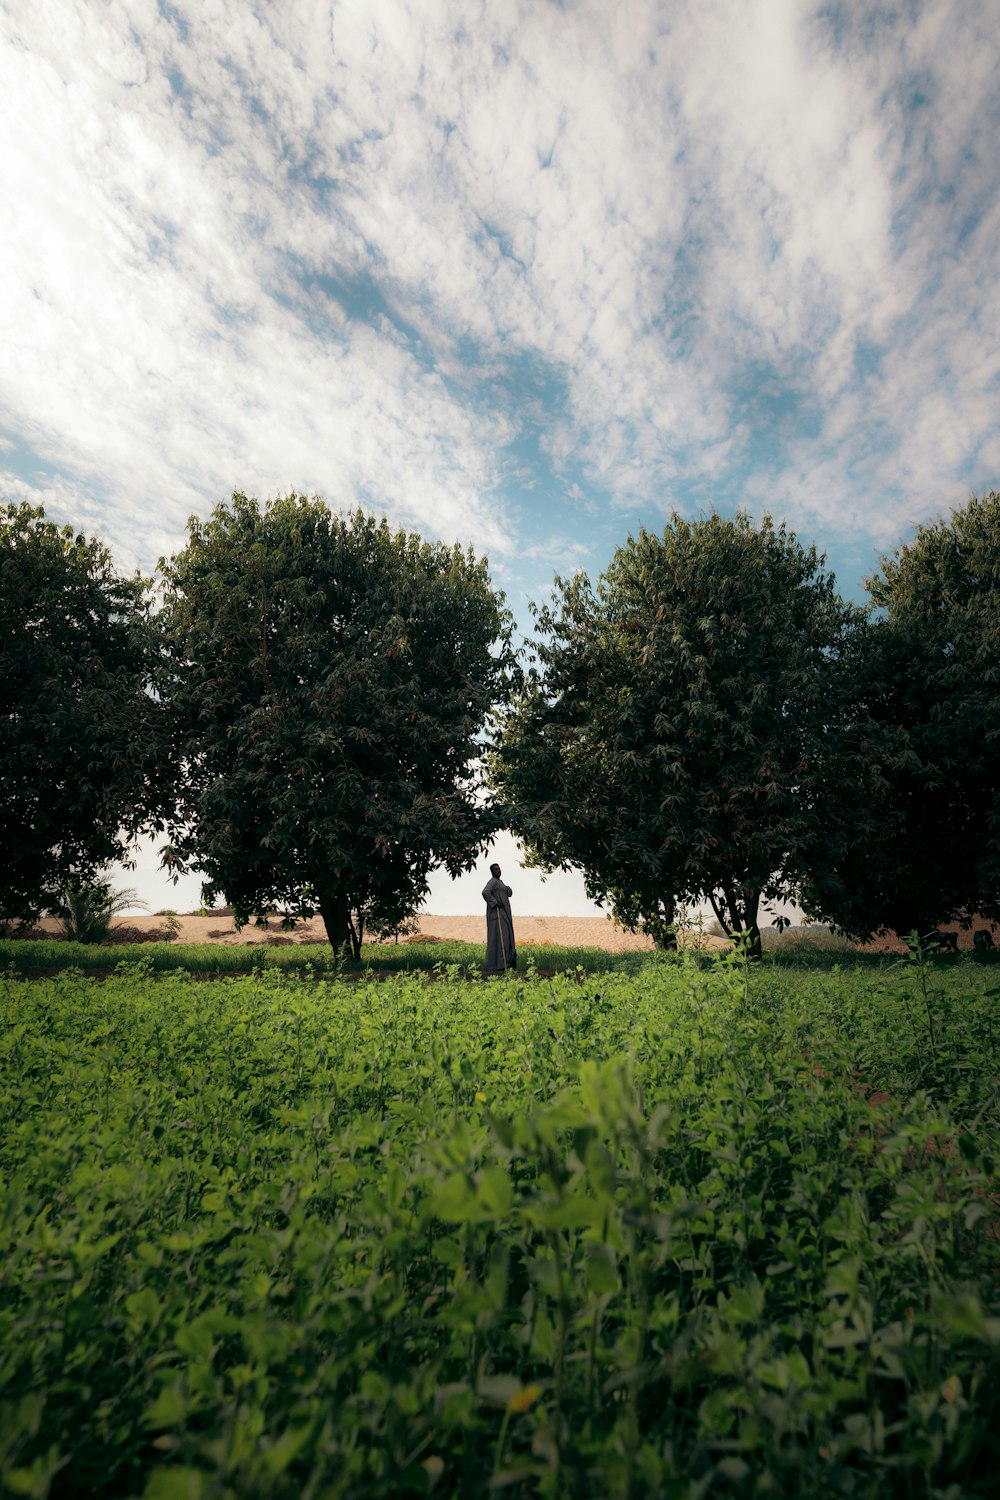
x: 602, y: 1235
x: 319, y: 711
x: 710, y: 721
x: 924, y: 845
x: 246, y: 958
x: 676, y: 743
x: 81, y: 739
x: 331, y: 683
x: 815, y: 946
x: 87, y: 907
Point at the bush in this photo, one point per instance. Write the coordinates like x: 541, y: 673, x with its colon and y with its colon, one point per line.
x: 86, y: 908
x: 812, y: 935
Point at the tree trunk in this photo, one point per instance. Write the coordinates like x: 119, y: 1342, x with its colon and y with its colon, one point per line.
x: 738, y: 913
x: 335, y: 909
x: 755, y: 948
x: 750, y: 925
x: 668, y: 934
x: 903, y: 920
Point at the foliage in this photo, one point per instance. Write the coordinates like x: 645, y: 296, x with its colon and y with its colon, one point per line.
x: 926, y: 845
x: 610, y: 1237
x: 80, y: 748
x: 87, y: 907
x: 677, y: 743
x: 331, y: 678
x: 309, y: 958
x: 814, y: 938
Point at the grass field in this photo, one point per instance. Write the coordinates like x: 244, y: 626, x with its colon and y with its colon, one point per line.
x: 249, y: 958
x: 801, y: 948
x: 691, y: 1230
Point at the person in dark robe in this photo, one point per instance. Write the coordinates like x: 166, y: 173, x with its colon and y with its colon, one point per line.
x: 501, y: 953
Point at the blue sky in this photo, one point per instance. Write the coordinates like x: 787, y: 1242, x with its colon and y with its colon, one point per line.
x: 530, y: 276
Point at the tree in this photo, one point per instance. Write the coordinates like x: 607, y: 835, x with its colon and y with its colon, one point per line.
x: 80, y: 757
x: 676, y: 741
x: 927, y: 723
x: 330, y: 680
x: 87, y: 907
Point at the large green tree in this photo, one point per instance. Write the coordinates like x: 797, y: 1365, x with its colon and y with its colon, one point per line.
x: 80, y: 753
x: 675, y: 741
x: 927, y: 725
x: 332, y: 681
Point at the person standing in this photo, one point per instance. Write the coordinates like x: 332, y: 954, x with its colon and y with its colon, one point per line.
x: 501, y: 954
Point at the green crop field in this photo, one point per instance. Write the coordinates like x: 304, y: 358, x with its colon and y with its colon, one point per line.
x: 686, y: 1231
x: 248, y: 958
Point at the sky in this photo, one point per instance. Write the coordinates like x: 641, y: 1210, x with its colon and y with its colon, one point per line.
x: 527, y: 276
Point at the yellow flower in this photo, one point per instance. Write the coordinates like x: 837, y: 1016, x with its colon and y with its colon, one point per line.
x: 525, y: 1398
x: 480, y: 1098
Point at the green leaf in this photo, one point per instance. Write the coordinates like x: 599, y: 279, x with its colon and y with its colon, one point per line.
x: 455, y: 1201
x: 600, y: 1271
x: 196, y: 1339
x: 178, y: 1484
x: 169, y: 1409
x: 286, y: 1448
x: 494, y: 1190
x: 144, y: 1307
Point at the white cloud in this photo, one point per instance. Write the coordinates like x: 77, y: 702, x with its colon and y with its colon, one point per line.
x: 649, y: 202
x: 145, y: 349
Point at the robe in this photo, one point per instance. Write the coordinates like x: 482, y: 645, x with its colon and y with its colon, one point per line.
x: 501, y: 953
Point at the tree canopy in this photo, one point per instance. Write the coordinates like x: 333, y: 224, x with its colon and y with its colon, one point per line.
x: 928, y: 730
x: 79, y: 731
x: 332, y: 682
x: 675, y: 740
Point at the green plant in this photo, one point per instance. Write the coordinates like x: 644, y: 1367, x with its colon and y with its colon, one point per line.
x: 675, y: 742
x: 925, y: 847
x: 376, y: 959
x: 82, y: 743
x: 331, y: 683
x: 692, y: 1231
x: 813, y: 936
x: 87, y: 907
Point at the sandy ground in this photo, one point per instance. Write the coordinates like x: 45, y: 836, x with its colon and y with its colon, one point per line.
x: 574, y: 932
x: 569, y: 932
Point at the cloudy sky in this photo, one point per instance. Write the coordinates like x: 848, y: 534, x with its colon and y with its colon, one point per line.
x: 527, y: 275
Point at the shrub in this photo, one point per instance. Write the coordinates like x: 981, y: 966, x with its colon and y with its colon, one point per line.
x: 813, y: 935
x: 86, y: 908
